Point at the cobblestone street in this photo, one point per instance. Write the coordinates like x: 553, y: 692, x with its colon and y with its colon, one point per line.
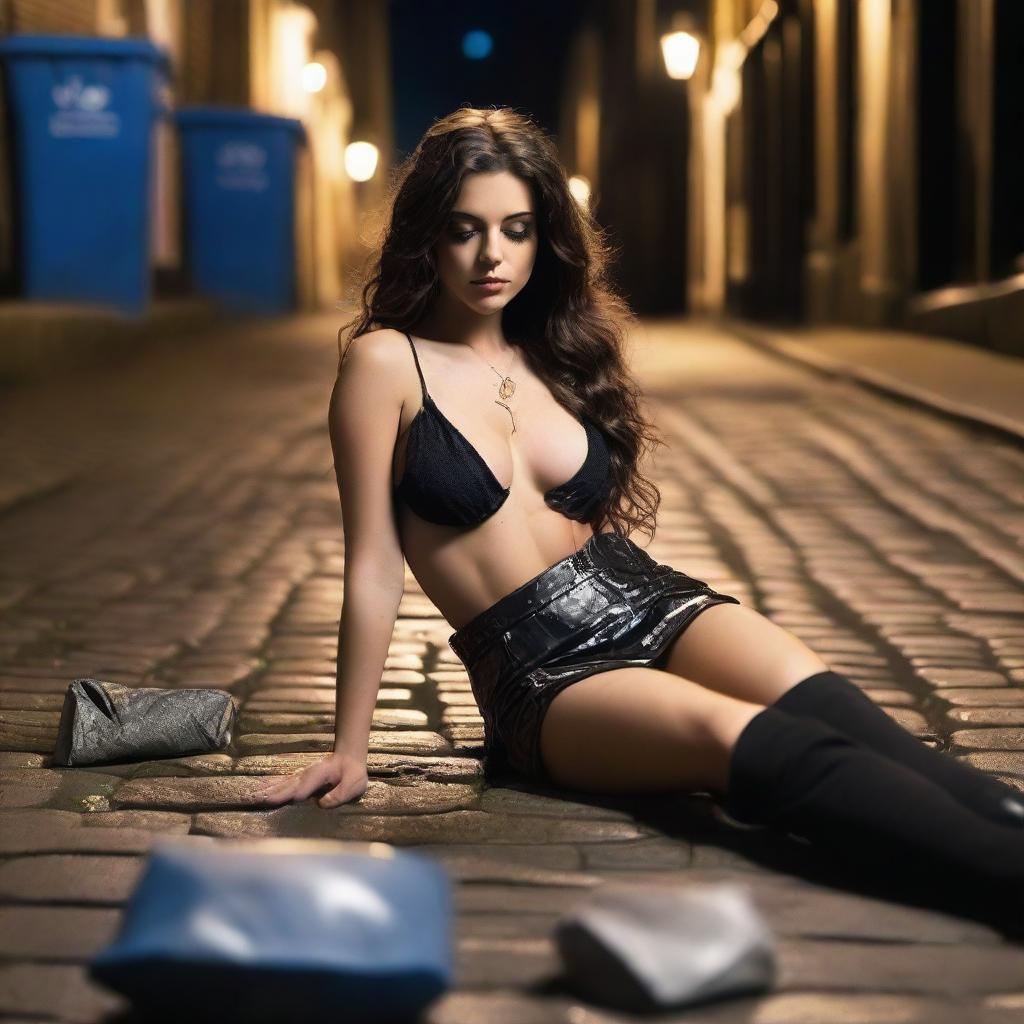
x: 173, y: 520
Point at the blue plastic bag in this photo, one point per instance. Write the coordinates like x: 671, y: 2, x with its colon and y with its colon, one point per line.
x: 283, y: 929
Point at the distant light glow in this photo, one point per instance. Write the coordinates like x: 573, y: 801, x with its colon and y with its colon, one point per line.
x: 360, y: 160
x: 477, y: 44
x: 314, y: 76
x: 579, y: 187
x: 680, y: 51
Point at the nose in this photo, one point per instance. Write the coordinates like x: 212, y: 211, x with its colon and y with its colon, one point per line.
x: 491, y: 254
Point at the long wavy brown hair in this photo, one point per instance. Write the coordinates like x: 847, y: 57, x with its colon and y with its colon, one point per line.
x: 569, y: 320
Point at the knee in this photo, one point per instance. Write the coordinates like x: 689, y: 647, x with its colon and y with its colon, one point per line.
x: 795, y: 669
x: 714, y: 720
x: 719, y: 723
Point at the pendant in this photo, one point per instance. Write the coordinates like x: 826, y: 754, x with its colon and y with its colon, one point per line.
x: 509, y: 409
x: 507, y: 388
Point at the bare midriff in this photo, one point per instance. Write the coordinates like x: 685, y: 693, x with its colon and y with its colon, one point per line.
x: 465, y: 570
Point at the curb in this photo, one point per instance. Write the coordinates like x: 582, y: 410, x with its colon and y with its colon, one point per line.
x: 776, y: 342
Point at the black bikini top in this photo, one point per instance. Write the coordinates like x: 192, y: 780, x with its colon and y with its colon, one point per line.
x: 446, y: 481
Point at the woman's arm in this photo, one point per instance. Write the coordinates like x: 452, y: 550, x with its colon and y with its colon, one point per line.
x: 363, y: 421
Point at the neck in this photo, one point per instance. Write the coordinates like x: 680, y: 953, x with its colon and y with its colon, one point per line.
x: 452, y: 322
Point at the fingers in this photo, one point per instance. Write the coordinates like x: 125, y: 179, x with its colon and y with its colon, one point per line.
x: 333, y: 798
x: 297, y: 786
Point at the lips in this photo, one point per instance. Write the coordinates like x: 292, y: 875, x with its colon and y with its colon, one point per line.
x: 489, y: 280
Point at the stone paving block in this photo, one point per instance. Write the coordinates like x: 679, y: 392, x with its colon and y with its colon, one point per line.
x: 505, y: 961
x: 273, y: 680
x: 381, y: 741
x: 378, y: 765
x: 29, y: 730
x: 309, y: 819
x: 891, y: 697
x: 498, y: 1007
x: 192, y: 795
x: 984, y: 697
x: 297, y: 698
x: 489, y: 859
x: 69, y: 878
x: 163, y: 822
x: 204, y: 674
x: 55, y: 934
x: 912, y: 968
x: 62, y: 788
x: 988, y: 739
x: 654, y: 853
x: 953, y: 678
x: 1007, y: 762
x: 21, y: 701
x: 499, y: 800
x: 22, y: 759
x: 1004, y: 717
x: 56, y: 992
x: 706, y: 855
x: 27, y: 681
x: 45, y: 831
x: 518, y: 900
x: 191, y: 766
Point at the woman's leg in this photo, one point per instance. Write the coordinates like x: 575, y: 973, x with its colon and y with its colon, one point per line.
x: 735, y: 650
x: 832, y: 698
x: 808, y: 778
x: 634, y: 730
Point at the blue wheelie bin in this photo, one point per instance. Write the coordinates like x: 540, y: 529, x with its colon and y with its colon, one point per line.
x: 83, y: 111
x: 239, y: 200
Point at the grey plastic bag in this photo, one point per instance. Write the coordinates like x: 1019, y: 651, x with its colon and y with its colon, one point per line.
x: 645, y: 947
x: 103, y: 721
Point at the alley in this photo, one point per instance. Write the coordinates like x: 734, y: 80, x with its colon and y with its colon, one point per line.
x: 173, y: 520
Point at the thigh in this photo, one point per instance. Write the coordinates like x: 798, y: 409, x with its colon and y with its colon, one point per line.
x: 640, y: 729
x: 736, y: 650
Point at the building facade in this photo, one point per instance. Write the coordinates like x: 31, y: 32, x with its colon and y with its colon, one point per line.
x: 843, y: 161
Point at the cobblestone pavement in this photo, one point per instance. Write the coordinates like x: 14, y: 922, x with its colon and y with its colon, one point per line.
x: 173, y: 521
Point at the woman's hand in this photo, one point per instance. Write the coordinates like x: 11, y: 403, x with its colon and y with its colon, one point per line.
x: 345, y: 773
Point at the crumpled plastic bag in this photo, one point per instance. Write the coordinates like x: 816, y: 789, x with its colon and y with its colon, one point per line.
x: 642, y: 947
x: 280, y: 929
x: 103, y: 721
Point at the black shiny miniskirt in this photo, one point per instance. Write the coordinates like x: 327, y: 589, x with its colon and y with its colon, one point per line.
x: 609, y: 605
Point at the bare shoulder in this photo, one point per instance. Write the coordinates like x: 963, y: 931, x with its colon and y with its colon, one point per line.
x: 382, y: 349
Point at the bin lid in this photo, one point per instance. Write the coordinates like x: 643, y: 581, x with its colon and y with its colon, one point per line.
x: 23, y: 45
x: 235, y: 117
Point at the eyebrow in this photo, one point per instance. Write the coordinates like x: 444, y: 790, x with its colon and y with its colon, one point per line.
x: 472, y: 216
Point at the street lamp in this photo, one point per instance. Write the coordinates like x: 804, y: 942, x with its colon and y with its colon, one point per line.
x: 680, y: 51
x: 579, y: 187
x: 313, y: 76
x: 361, y: 160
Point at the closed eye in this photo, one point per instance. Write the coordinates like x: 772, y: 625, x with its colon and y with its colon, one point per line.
x: 515, y: 236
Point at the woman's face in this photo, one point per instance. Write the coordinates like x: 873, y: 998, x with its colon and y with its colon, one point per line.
x: 491, y: 233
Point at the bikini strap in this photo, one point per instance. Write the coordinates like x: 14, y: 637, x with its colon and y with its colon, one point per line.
x: 423, y: 383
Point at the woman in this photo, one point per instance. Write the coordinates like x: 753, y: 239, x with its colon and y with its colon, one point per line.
x: 490, y: 434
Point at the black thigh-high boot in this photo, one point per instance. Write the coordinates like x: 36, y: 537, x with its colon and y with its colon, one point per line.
x: 805, y: 777
x: 832, y: 698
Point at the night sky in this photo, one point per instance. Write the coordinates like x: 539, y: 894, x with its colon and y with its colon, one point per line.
x: 432, y: 76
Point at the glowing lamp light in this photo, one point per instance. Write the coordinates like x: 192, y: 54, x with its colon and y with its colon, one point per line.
x: 579, y: 188
x: 314, y: 76
x: 680, y: 51
x: 360, y: 160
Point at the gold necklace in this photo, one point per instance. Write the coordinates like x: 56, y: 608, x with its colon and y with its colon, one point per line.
x: 506, y: 385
